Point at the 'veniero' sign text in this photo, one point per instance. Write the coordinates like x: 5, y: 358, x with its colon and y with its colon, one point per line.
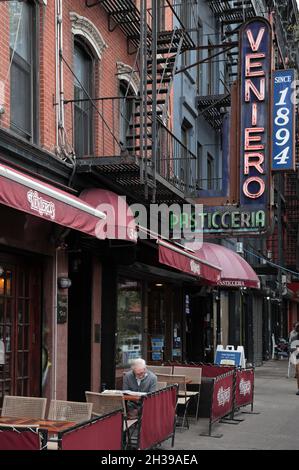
x: 255, y: 92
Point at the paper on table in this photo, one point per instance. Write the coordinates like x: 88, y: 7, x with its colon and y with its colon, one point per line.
x: 123, y: 392
x: 113, y: 392
x: 130, y: 392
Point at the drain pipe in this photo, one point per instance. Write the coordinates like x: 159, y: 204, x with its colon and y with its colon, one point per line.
x: 57, y: 102
x: 59, y: 78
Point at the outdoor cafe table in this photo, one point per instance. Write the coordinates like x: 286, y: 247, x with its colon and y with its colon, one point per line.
x: 53, y: 427
x: 122, y: 393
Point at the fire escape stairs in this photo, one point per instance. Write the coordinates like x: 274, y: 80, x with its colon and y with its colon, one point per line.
x: 230, y: 14
x: 170, y: 44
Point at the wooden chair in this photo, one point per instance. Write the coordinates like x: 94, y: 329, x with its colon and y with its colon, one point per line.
x: 76, y: 411
x: 160, y: 369
x: 183, y: 399
x: 31, y: 407
x: 193, y: 373
x: 104, y: 403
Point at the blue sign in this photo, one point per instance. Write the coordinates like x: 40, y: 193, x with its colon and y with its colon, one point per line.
x: 228, y: 358
x: 255, y: 83
x: 283, y: 141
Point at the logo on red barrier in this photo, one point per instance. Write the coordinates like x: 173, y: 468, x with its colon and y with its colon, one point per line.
x: 223, y: 396
x: 245, y: 387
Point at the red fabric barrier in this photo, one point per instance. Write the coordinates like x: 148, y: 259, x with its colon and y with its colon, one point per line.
x: 103, y: 434
x: 158, y: 416
x: 24, y: 440
x: 214, y: 371
x: 223, y: 397
x: 208, y: 370
x: 244, y: 387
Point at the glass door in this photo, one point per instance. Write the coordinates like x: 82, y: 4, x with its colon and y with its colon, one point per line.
x: 129, y: 322
x: 7, y: 314
x: 19, y: 330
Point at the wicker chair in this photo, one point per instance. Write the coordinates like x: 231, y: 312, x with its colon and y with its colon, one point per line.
x: 31, y: 407
x: 104, y: 403
x: 76, y: 411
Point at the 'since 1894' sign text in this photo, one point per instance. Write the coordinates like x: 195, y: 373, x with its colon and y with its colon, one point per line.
x: 283, y: 115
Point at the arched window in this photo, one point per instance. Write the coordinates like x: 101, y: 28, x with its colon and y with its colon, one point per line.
x: 83, y: 109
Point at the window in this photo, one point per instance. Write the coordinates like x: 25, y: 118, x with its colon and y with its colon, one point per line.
x: 185, y: 17
x: 199, y: 166
x: 210, y: 172
x: 83, y: 110
x: 198, y: 58
x: 184, y: 162
x: 210, y: 77
x: 161, y: 15
x: 129, y: 322
x: 125, y: 112
x: 22, y: 41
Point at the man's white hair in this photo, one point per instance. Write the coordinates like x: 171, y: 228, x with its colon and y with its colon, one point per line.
x: 138, y: 363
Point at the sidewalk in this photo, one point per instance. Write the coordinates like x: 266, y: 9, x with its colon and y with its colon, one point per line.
x: 276, y: 427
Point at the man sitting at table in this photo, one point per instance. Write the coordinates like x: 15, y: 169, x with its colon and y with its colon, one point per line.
x: 139, y: 379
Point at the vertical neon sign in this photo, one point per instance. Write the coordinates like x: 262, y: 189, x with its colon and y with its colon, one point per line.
x: 255, y: 88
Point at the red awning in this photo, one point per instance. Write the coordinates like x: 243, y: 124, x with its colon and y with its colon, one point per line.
x: 30, y: 195
x: 98, y: 212
x: 183, y: 260
x: 119, y: 223
x: 235, y: 271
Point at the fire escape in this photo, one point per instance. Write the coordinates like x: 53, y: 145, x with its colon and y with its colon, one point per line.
x: 230, y: 15
x: 148, y: 162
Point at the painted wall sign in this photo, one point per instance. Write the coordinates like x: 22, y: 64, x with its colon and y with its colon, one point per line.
x: 283, y: 115
x: 255, y: 92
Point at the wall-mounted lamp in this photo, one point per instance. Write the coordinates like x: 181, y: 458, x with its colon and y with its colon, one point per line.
x: 64, y: 283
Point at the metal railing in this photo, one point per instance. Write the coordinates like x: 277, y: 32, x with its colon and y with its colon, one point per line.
x: 175, y: 162
x: 181, y: 12
x: 117, y: 133
x: 209, y: 184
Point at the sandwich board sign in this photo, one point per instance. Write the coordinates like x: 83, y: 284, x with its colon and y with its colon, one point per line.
x: 230, y: 356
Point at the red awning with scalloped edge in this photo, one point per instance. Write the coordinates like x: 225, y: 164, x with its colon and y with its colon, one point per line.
x: 235, y: 271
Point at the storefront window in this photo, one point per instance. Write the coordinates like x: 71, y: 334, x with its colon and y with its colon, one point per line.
x: 129, y: 322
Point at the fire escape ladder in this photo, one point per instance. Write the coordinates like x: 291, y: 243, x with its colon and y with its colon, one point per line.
x: 152, y: 160
x: 230, y: 14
